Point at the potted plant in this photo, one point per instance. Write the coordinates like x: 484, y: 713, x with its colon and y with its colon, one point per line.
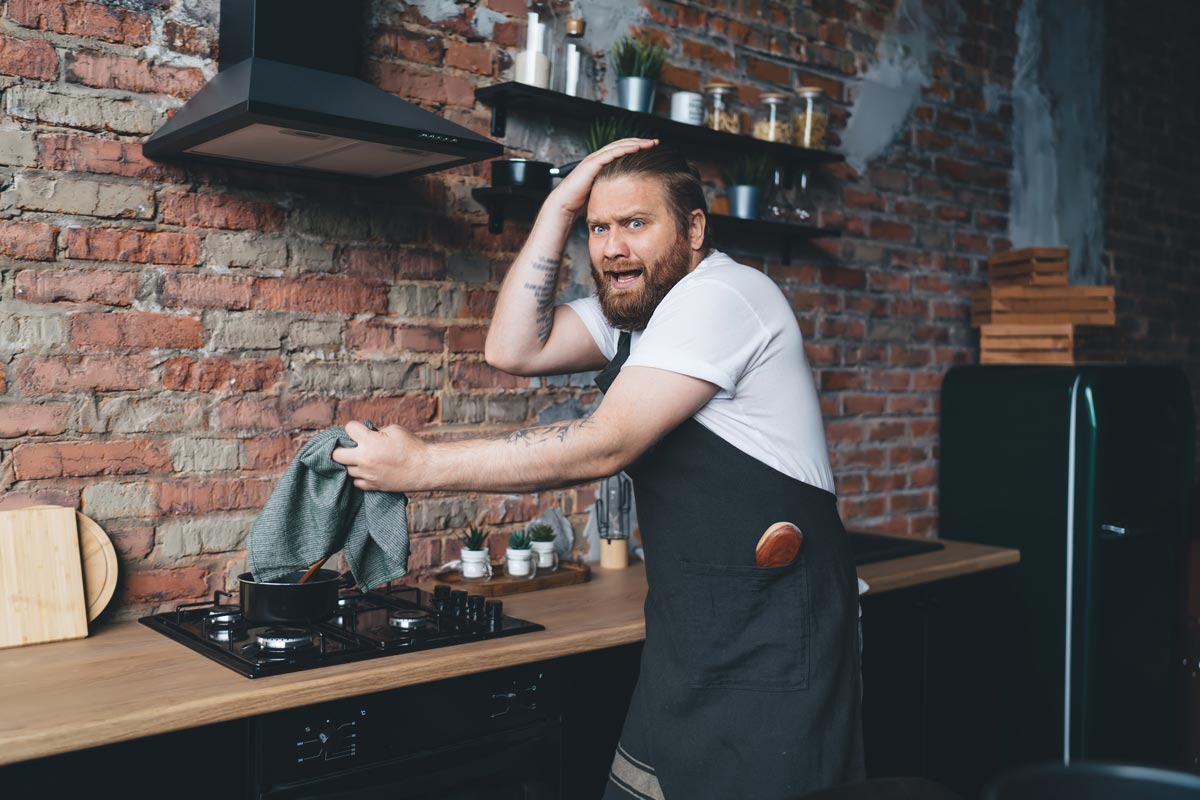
x: 743, y: 181
x: 637, y: 61
x: 518, y: 559
x: 605, y: 130
x: 476, y: 562
x: 542, y: 537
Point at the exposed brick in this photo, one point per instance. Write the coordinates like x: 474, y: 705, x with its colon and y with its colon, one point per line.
x: 108, y: 71
x: 712, y: 57
x: 161, y: 585
x: 40, y: 375
x: 81, y: 153
x: 33, y: 241
x: 29, y: 58
x: 79, y: 459
x: 213, y: 210
x: 158, y: 414
x: 421, y: 84
x: 125, y: 244
x: 379, y: 334
x: 90, y: 19
x: 410, y: 46
x: 467, y: 375
x: 110, y: 500
x: 464, y: 339
x: 470, y: 57
x: 413, y: 411
x: 67, y: 194
x: 196, y: 497
x: 73, y: 108
x: 33, y: 419
x: 221, y: 374
x: 319, y: 294
x: 131, y: 330
x: 182, y: 290
x: 189, y: 39
x: 272, y: 452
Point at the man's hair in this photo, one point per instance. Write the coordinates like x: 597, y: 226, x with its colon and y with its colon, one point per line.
x: 679, y: 179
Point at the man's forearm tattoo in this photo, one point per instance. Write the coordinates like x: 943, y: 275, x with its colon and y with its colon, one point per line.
x: 545, y: 294
x: 543, y: 433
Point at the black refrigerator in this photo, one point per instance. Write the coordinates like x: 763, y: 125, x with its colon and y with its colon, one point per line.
x: 1087, y: 470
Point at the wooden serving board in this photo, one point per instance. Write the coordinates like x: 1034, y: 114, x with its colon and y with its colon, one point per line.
x: 41, y: 577
x: 1083, y: 305
x: 502, y: 584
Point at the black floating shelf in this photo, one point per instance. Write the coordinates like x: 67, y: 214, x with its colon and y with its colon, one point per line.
x: 520, y: 203
x: 503, y: 97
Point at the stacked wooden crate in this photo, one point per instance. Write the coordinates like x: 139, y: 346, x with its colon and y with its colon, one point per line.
x: 1028, y: 314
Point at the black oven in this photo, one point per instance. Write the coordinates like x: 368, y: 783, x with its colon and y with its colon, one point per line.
x: 494, y: 735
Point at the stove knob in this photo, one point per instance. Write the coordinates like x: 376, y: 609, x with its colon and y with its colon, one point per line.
x: 493, y: 611
x: 475, y: 606
x: 458, y: 603
x: 441, y: 591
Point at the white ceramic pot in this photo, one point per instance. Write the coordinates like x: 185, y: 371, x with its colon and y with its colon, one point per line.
x: 520, y: 563
x: 476, y: 564
x: 547, y: 558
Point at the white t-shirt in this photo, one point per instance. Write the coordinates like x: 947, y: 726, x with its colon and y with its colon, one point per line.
x: 729, y: 324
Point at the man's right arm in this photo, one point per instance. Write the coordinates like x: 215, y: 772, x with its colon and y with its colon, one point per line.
x: 529, y: 335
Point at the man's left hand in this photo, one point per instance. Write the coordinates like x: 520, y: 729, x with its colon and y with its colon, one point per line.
x: 388, y: 460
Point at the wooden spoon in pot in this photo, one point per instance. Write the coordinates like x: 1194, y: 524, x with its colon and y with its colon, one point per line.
x: 312, y: 570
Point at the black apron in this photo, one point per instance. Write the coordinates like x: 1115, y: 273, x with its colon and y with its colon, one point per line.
x: 750, y: 683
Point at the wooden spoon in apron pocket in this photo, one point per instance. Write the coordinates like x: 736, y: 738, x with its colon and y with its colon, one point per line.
x: 779, y: 546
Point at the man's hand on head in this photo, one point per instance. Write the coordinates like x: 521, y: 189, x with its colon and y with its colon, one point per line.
x: 388, y: 460
x: 572, y: 192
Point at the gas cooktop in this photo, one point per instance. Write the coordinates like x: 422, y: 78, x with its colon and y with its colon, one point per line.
x: 385, y: 622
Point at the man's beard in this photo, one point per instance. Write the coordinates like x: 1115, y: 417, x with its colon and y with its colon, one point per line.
x: 630, y: 309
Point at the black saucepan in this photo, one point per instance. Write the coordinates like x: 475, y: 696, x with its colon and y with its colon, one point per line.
x: 285, y: 602
x: 521, y: 172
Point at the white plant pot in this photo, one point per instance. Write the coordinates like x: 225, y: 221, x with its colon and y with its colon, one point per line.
x: 520, y: 563
x: 547, y: 558
x: 476, y: 564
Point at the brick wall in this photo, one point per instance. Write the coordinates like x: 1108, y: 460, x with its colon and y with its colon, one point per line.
x: 172, y: 332
x: 1152, y: 182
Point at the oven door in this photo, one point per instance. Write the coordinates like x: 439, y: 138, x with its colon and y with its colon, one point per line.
x: 520, y: 764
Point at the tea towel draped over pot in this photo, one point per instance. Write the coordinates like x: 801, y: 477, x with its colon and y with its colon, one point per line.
x: 316, y: 510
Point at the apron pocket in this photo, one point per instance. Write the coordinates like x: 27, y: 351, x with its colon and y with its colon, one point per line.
x: 746, y: 627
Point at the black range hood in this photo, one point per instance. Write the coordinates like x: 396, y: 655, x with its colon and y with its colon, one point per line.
x: 287, y: 97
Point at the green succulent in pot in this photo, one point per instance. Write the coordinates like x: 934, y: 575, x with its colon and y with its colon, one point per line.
x: 474, y: 539
x: 744, y: 179
x: 541, y: 532
x: 519, y: 540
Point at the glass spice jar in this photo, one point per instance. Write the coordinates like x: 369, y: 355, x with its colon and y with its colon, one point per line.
x: 810, y: 119
x: 771, y: 120
x: 719, y: 112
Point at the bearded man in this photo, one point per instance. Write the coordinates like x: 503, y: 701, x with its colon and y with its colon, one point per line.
x: 750, y: 683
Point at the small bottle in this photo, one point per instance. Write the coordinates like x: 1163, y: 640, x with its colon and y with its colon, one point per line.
x: 720, y: 114
x: 572, y: 71
x: 810, y: 120
x: 532, y: 66
x: 771, y: 120
x: 778, y: 205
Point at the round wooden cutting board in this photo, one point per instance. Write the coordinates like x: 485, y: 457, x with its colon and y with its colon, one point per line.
x: 99, y: 565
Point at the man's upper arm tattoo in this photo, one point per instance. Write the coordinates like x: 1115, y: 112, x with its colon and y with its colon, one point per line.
x: 545, y: 294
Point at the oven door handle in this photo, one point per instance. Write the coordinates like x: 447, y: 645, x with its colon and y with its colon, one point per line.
x: 519, y: 756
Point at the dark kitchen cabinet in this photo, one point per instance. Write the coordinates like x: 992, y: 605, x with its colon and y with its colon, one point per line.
x: 937, y: 680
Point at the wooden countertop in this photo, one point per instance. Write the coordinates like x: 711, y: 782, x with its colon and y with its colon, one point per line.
x: 126, y: 681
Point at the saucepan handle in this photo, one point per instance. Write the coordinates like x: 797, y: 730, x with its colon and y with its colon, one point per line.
x: 564, y: 170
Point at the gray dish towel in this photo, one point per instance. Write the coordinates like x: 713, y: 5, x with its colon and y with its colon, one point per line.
x: 316, y: 510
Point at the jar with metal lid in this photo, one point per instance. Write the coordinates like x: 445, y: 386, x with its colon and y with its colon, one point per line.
x: 719, y: 112
x: 810, y: 118
x: 772, y: 123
